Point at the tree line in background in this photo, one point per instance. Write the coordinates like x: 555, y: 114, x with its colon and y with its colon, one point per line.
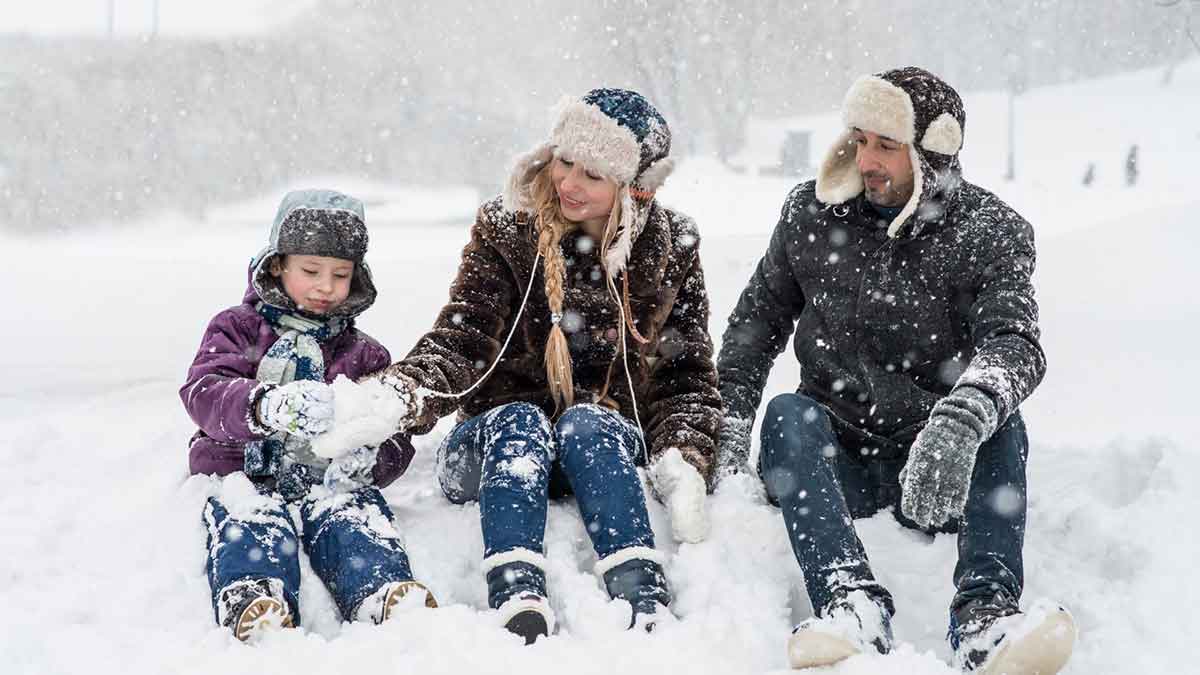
x: 444, y: 91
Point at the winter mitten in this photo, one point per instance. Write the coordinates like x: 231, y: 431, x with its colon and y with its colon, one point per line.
x: 351, y: 470
x: 410, y: 394
x: 683, y: 491
x: 937, y: 477
x: 302, y: 408
x: 733, y: 449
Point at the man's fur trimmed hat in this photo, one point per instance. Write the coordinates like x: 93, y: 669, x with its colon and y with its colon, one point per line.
x: 908, y: 105
x: 616, y: 133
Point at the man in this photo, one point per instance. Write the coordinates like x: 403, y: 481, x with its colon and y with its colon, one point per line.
x: 909, y: 290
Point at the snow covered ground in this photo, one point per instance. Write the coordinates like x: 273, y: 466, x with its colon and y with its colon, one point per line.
x: 101, y: 567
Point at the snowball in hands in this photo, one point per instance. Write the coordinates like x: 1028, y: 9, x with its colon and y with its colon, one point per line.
x: 937, y: 476
x: 365, y: 413
x: 683, y: 491
x: 351, y: 470
x: 302, y: 408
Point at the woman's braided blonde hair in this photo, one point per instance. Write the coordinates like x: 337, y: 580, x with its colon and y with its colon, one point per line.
x: 550, y: 227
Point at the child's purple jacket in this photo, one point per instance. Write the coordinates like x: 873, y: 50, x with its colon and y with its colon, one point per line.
x: 221, y: 389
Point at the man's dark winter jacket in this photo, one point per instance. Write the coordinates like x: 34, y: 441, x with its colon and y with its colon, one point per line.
x: 886, y: 326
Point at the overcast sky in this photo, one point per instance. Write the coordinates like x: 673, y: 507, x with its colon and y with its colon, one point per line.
x: 135, y: 17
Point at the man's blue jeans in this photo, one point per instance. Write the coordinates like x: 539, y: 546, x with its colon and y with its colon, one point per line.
x: 823, y: 478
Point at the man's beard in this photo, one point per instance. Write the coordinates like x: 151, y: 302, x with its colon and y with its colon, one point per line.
x: 888, y: 196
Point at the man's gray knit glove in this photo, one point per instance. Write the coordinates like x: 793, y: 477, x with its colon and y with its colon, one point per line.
x: 302, y: 408
x: 937, y: 477
x: 733, y: 447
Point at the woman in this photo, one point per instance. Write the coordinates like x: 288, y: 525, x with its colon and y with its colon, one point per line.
x: 587, y: 299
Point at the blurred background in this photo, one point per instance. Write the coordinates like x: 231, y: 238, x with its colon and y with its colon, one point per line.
x: 115, y: 109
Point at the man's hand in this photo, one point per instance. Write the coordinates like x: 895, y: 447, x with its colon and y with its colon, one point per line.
x: 937, y: 478
x: 733, y: 448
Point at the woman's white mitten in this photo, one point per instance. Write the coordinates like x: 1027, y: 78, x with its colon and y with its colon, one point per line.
x: 683, y: 491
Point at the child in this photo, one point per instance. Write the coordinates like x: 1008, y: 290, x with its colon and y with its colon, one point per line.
x: 258, y: 391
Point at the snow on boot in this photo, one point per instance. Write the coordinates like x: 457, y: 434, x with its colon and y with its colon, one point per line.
x: 251, y: 606
x: 649, y: 620
x: 852, y: 624
x: 635, y: 575
x: 383, y: 603
x: 1003, y: 641
x: 528, y: 615
x: 517, y: 590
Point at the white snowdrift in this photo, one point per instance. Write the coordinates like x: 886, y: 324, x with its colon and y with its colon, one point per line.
x: 102, y: 565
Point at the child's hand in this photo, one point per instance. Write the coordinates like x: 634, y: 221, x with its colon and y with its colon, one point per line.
x: 351, y: 470
x: 302, y: 408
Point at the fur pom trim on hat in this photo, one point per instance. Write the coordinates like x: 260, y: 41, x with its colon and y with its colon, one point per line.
x: 876, y: 105
x: 944, y: 135
x: 583, y: 133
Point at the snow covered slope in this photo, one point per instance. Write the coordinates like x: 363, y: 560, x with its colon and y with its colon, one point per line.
x: 102, y: 561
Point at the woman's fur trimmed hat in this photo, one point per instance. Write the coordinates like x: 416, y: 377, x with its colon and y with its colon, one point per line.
x: 616, y: 133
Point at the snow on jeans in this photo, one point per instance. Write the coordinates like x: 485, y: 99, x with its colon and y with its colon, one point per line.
x: 513, y: 460
x: 821, y: 483
x: 349, y: 538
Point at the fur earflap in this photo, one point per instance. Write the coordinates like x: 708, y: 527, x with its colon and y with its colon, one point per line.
x: 943, y: 136
x: 876, y: 105
x: 910, y: 207
x: 838, y: 179
x: 656, y: 174
x: 618, y: 252
x: 516, y: 189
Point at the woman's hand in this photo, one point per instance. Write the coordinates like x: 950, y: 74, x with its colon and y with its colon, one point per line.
x: 410, y: 395
x: 682, y: 489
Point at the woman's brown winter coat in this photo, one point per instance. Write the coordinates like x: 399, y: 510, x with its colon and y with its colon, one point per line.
x: 674, y: 376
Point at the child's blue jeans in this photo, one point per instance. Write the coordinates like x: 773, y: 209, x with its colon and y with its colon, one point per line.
x: 348, y: 538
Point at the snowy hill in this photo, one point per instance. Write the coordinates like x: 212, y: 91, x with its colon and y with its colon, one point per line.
x: 102, y: 568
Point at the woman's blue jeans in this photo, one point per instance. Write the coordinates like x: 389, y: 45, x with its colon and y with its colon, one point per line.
x: 513, y: 460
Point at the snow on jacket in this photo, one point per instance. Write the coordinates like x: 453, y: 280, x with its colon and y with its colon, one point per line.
x: 221, y: 390
x: 885, y: 326
x: 673, y: 374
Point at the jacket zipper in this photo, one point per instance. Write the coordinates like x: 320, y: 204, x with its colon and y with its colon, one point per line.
x: 858, y: 306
